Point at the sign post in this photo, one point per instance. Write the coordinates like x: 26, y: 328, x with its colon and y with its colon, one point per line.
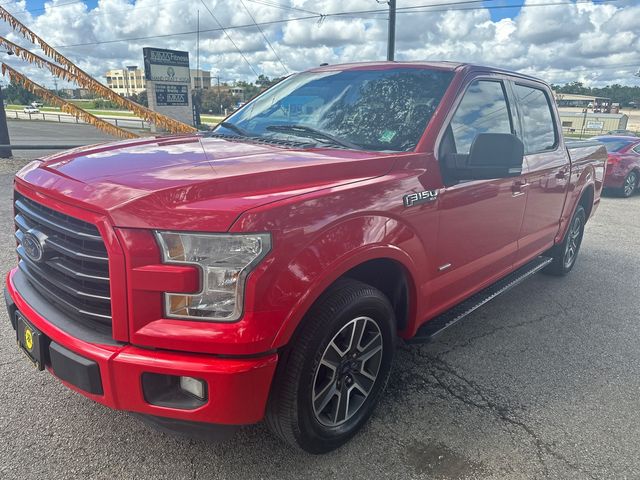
x: 169, y: 83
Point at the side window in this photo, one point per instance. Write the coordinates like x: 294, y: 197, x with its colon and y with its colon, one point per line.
x: 483, y: 109
x: 637, y: 149
x: 539, y: 133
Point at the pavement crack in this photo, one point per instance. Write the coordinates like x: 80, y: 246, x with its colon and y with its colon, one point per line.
x: 476, y: 396
x: 493, y: 331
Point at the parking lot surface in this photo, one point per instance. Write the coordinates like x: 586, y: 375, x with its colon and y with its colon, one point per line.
x: 543, y: 382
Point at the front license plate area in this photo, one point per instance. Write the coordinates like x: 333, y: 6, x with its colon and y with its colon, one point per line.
x: 31, y: 341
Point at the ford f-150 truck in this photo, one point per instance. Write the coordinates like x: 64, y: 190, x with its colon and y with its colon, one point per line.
x: 265, y: 270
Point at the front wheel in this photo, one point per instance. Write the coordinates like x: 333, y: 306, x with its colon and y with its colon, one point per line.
x: 565, y: 254
x: 330, y: 380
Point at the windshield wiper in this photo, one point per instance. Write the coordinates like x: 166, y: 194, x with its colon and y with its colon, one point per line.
x: 310, y: 132
x: 232, y: 126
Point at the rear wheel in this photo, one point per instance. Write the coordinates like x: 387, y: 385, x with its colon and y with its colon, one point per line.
x: 330, y: 380
x: 629, y: 185
x: 565, y: 254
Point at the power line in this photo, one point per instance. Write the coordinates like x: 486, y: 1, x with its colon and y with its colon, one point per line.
x: 95, y: 12
x: 282, y: 7
x: 331, y: 15
x: 265, y: 38
x: 43, y: 9
x: 230, y: 39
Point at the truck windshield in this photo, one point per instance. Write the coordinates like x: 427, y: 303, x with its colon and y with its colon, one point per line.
x: 382, y: 110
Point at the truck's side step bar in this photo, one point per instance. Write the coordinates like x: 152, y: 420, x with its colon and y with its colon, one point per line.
x: 448, y: 318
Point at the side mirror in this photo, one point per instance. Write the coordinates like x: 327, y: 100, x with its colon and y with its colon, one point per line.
x: 492, y: 155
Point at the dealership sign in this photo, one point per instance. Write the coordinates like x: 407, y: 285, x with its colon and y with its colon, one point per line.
x: 166, y: 65
x: 593, y: 125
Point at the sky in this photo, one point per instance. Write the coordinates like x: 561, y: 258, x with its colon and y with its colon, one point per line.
x: 597, y: 43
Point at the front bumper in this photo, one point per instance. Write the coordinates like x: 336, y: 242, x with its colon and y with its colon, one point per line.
x: 238, y: 388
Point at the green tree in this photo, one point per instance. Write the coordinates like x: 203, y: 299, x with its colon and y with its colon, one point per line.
x: 18, y: 95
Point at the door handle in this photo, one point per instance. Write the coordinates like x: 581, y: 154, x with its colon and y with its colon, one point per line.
x: 518, y: 188
x: 561, y: 175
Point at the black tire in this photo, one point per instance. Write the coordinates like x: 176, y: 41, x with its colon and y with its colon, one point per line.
x: 293, y: 412
x: 565, y: 254
x: 629, y: 185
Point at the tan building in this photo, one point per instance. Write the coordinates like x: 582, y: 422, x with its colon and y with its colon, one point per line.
x: 592, y: 123
x: 131, y: 80
x: 126, y: 81
x: 575, y: 101
x: 200, y: 79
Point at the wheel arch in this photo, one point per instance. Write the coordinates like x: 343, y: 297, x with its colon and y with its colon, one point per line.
x: 396, y: 278
x: 586, y: 199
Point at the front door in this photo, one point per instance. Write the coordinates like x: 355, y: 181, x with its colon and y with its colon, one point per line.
x: 479, y: 221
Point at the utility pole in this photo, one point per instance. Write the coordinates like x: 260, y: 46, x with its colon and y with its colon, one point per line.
x: 219, y: 94
x: 4, y: 130
x: 198, y: 55
x: 391, y: 42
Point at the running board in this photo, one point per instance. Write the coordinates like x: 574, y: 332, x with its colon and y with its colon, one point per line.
x: 436, y: 325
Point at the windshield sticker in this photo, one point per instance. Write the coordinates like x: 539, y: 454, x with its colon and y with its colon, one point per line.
x: 387, y: 136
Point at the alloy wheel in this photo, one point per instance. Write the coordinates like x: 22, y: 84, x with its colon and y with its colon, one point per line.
x: 630, y: 184
x: 347, y: 371
x: 573, y: 242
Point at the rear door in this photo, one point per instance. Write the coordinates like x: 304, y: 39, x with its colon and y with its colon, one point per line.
x: 546, y: 169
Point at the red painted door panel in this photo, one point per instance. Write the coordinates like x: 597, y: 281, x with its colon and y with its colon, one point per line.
x: 546, y: 170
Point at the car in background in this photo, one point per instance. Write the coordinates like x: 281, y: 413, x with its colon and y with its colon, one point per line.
x: 626, y: 133
x: 30, y: 109
x: 623, y: 163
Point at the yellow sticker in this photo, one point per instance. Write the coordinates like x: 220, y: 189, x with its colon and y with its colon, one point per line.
x: 28, y: 338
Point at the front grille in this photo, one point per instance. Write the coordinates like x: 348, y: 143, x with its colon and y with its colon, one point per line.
x: 73, y: 272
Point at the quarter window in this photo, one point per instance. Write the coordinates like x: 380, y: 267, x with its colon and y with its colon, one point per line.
x: 483, y: 109
x: 538, y: 133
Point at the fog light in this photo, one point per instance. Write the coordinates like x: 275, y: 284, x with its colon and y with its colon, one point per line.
x: 174, y: 391
x: 194, y: 386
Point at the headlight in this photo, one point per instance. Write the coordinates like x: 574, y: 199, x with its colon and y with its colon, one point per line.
x: 224, y: 261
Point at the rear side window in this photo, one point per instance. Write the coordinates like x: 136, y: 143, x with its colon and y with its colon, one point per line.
x: 538, y: 133
x: 483, y: 109
x: 637, y: 149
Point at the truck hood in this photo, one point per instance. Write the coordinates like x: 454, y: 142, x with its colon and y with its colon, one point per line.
x: 192, y: 182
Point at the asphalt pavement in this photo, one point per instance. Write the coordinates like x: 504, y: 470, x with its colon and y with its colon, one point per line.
x: 37, y: 132
x: 543, y: 382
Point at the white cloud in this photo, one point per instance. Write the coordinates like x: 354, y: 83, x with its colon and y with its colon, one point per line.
x: 595, y: 43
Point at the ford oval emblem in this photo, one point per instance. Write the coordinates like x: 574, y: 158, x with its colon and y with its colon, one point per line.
x: 32, y: 247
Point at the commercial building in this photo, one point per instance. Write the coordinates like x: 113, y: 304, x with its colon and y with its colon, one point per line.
x: 77, y: 93
x: 200, y: 79
x: 126, y: 81
x: 572, y: 100
x: 592, y: 123
x: 130, y: 80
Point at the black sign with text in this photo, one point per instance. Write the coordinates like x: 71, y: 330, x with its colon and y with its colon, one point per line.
x: 172, y: 95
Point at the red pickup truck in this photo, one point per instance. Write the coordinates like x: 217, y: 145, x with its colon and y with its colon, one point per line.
x: 265, y: 270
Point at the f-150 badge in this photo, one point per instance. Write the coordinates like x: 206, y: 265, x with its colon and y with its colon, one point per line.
x: 411, y: 199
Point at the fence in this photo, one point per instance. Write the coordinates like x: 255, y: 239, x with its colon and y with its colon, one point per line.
x: 65, y: 118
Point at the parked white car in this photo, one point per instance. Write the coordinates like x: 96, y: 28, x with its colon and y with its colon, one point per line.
x: 30, y: 109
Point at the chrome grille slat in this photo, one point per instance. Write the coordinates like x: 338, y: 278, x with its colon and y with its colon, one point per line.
x: 43, y: 290
x: 59, y: 281
x: 32, y: 213
x: 74, y: 272
x: 63, y: 245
